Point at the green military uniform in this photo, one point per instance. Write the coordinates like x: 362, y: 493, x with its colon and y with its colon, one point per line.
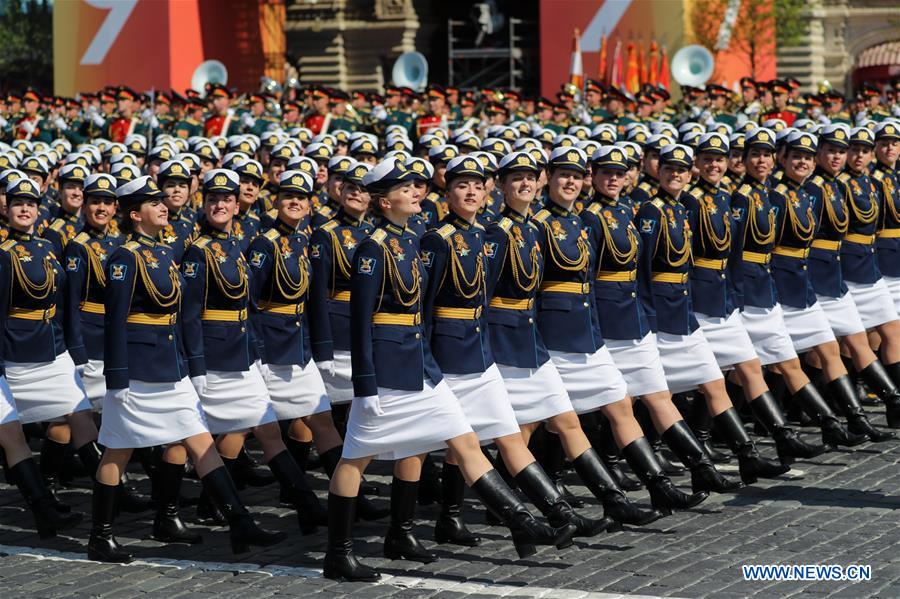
x: 343, y: 122
x: 187, y: 128
x: 600, y: 115
x: 395, y: 116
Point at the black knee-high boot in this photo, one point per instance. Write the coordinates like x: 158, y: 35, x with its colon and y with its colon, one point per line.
x: 752, y: 465
x: 885, y: 386
x: 363, y: 506
x: 605, y: 444
x: 52, y: 456
x: 102, y: 546
x: 429, y: 487
x: 450, y: 526
x: 526, y: 531
x: 541, y: 491
x: 401, y: 542
x: 290, y: 476
x: 603, y: 486
x: 843, y: 393
x: 167, y: 525
x: 300, y: 452
x: 704, y: 476
x: 701, y: 424
x: 130, y: 501
x: 340, y: 561
x: 833, y: 431
x: 243, y: 530
x: 245, y: 473
x: 788, y: 445
x: 47, y: 519
x: 642, y: 414
x: 663, y: 495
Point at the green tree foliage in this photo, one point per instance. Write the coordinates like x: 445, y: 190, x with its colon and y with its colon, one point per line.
x: 760, y: 26
x: 26, y: 44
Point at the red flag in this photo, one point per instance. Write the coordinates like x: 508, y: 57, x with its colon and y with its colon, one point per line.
x: 576, y: 72
x: 601, y: 69
x: 632, y: 75
x: 615, y: 77
x: 664, y: 69
x: 653, y: 68
x: 642, y: 65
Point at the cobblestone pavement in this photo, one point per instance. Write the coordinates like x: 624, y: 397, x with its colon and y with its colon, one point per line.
x: 837, y: 509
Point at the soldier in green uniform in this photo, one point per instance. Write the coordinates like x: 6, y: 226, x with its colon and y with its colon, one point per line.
x: 593, y: 98
x: 340, y: 119
x: 162, y: 108
x: 192, y: 123
x: 396, y: 113
x: 719, y: 100
x: 874, y: 109
x: 74, y: 123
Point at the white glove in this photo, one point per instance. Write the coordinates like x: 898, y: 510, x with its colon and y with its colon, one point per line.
x: 60, y: 123
x: 199, y: 383
x: 154, y: 122
x: 230, y: 112
x: 896, y: 110
x: 3, y: 123
x: 371, y: 407
x: 28, y: 126
x: 247, y: 120
x: 98, y: 120
x: 379, y: 113
x: 118, y: 395
x: 326, y: 366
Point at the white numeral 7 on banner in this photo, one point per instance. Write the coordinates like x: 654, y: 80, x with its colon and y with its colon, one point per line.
x: 119, y: 11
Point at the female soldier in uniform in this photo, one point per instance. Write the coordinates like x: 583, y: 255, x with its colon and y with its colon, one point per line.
x: 85, y: 264
x: 42, y: 347
x: 708, y: 203
x: 402, y: 409
x: 663, y: 276
x: 22, y: 203
x: 536, y: 390
x: 455, y: 299
x: 149, y: 399
x: 221, y: 353
x: 753, y: 235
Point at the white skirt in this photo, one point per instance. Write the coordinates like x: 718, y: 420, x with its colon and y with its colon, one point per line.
x: 873, y: 302
x: 769, y: 334
x: 236, y: 401
x: 296, y: 392
x: 893, y: 285
x: 152, y: 414
x: 727, y: 338
x: 535, y: 394
x: 808, y: 327
x: 8, y: 412
x: 687, y: 360
x: 485, y: 402
x: 639, y: 363
x: 412, y: 423
x: 94, y: 383
x: 46, y: 391
x: 842, y: 315
x: 591, y: 380
x: 339, y: 387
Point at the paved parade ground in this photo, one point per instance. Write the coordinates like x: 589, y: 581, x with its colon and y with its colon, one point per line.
x: 836, y: 510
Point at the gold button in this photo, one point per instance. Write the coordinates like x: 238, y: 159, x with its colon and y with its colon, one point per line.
x: 804, y: 267
x: 838, y: 258
x: 633, y: 294
x: 530, y: 321
x: 586, y: 304
x: 722, y: 275
x: 170, y: 337
x: 477, y: 329
x: 685, y: 292
x: 418, y: 336
x: 297, y: 323
x: 243, y: 330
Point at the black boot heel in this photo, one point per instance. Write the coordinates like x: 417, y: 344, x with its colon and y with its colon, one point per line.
x: 340, y: 562
x: 310, y: 513
x: 541, y: 491
x: 47, y: 518
x: 450, y: 526
x: 704, y: 476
